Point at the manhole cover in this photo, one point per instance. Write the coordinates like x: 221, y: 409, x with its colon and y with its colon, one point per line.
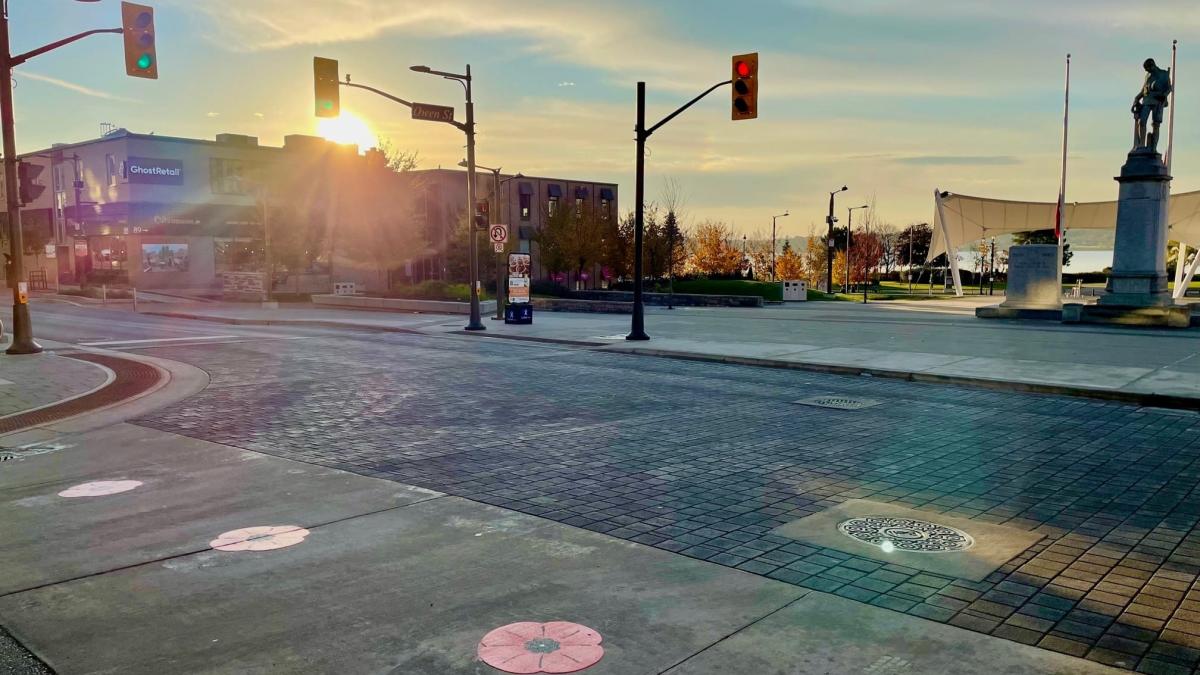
x: 838, y: 402
x: 532, y: 647
x: 906, y: 534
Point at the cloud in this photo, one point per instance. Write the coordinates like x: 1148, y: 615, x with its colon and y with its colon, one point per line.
x: 566, y: 84
x: 212, y: 114
x: 259, y: 115
x: 71, y: 86
x: 959, y: 160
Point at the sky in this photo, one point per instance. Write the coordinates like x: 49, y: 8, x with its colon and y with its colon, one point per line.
x: 893, y: 98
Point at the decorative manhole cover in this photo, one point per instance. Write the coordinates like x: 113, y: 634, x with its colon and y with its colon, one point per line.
x: 906, y: 534
x: 100, y: 488
x: 838, y: 402
x: 261, y: 538
x: 531, y: 647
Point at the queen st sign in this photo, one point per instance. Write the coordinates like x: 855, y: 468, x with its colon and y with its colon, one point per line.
x: 433, y: 113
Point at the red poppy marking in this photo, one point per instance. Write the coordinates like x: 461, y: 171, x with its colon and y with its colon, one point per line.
x: 100, y: 488
x: 531, y: 647
x: 261, y: 538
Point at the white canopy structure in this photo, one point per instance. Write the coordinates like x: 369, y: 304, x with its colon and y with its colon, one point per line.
x: 962, y: 219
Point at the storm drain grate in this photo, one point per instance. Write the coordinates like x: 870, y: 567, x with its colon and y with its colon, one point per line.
x: 5, y: 458
x: 838, y: 402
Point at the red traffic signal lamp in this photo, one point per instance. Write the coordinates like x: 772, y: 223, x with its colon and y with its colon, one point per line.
x: 27, y: 190
x: 745, y: 87
x: 141, y: 59
x: 325, y: 87
x: 481, y: 215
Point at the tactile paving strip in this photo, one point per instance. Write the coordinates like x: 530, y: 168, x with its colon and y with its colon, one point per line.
x: 132, y: 378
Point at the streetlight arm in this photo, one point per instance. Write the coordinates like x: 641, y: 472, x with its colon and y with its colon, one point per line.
x: 685, y: 106
x: 22, y: 58
x: 384, y: 94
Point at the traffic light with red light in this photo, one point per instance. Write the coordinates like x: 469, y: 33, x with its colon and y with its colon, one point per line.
x: 745, y: 87
x: 325, y: 87
x: 141, y: 60
x: 27, y: 189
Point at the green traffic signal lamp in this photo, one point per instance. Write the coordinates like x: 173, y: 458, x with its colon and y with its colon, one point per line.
x: 145, y: 61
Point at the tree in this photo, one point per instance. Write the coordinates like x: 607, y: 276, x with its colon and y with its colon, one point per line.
x: 672, y: 230
x: 1043, y: 237
x: 712, y: 250
x: 815, y: 261
x: 758, y: 252
x: 912, y: 244
x: 396, y: 159
x: 839, y: 269
x: 789, y: 265
x: 888, y: 236
x: 866, y: 252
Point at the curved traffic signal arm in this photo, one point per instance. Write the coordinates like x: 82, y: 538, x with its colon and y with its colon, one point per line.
x: 745, y: 87
x: 141, y: 59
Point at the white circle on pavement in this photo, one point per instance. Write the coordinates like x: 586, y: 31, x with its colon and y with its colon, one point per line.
x: 260, y: 538
x: 100, y: 488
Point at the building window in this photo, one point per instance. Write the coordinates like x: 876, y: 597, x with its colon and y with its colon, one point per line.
x: 227, y: 176
x: 606, y: 199
x: 110, y: 163
x: 555, y: 194
x: 525, y: 207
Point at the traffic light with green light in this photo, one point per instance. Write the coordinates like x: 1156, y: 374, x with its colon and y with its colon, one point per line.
x: 141, y: 60
x: 27, y: 190
x: 325, y: 87
x: 745, y: 87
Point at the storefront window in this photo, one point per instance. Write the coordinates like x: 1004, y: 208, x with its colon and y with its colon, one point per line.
x: 109, y: 253
x: 238, y: 255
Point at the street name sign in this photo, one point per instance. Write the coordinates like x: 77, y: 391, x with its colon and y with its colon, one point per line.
x: 433, y: 113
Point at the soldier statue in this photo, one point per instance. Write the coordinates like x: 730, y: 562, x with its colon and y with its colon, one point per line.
x: 1148, y: 106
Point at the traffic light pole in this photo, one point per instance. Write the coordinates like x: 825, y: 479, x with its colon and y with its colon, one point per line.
x: 22, y: 328
x: 467, y: 128
x: 638, y: 328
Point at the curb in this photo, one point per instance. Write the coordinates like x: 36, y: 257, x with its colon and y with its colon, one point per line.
x: 1144, y: 400
x: 311, y: 323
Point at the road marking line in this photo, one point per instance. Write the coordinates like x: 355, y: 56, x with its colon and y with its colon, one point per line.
x: 140, y: 342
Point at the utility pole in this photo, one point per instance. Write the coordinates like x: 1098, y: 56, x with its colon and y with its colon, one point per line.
x: 910, y: 259
x: 992, y: 270
x: 475, y: 323
x: 637, y: 330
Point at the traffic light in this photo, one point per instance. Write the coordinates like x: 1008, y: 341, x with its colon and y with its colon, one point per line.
x: 481, y: 215
x: 27, y: 190
x: 745, y: 87
x: 140, y: 58
x: 325, y: 86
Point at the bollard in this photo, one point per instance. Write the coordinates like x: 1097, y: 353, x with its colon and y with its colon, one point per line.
x: 135, y: 309
x: 104, y: 294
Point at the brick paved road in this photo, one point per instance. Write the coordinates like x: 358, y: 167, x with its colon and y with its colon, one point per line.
x: 707, y: 459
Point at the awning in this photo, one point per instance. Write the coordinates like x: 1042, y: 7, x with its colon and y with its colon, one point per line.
x: 606, y: 194
x: 966, y: 219
x: 581, y: 193
x: 525, y: 188
x: 554, y: 190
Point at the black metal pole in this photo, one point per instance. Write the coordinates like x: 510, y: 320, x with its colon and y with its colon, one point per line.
x: 638, y: 329
x: 829, y: 248
x: 476, y: 323
x: 22, y: 328
x: 992, y: 270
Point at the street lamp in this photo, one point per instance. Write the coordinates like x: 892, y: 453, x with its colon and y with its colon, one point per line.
x: 745, y: 260
x: 496, y: 183
x: 782, y: 215
x: 849, y: 216
x: 830, y: 219
x: 469, y: 128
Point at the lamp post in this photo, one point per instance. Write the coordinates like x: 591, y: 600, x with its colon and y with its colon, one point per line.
x: 773, y: 218
x: 849, y: 218
x: 496, y: 183
x: 468, y: 128
x: 830, y: 219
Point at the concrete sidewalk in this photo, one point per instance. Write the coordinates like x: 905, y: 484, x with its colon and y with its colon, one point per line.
x: 391, y: 578
x: 32, y: 381
x: 929, y: 341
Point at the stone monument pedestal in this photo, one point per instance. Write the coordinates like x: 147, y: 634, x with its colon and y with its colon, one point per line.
x: 1033, y: 290
x: 1137, y: 291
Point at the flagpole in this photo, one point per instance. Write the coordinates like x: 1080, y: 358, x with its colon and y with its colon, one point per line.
x: 1060, y: 214
x: 1171, y: 119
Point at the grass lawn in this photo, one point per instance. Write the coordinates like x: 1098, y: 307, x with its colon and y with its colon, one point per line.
x: 763, y: 289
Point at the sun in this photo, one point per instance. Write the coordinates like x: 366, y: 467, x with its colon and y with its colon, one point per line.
x: 347, y: 128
